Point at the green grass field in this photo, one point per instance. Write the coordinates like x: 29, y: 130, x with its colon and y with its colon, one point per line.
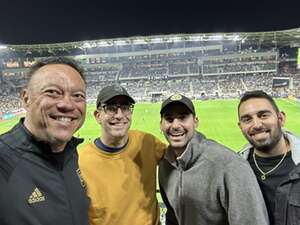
x: 218, y: 120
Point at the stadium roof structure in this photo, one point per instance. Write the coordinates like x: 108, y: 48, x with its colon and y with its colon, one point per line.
x: 281, y: 38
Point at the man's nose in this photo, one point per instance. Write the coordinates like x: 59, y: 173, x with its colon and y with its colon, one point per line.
x: 66, y: 103
x: 257, y: 123
x: 175, y: 123
x: 119, y: 112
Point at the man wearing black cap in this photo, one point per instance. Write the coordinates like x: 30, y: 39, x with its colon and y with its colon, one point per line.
x: 203, y: 182
x: 119, y: 168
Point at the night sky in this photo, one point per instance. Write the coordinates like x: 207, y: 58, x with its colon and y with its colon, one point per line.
x: 43, y: 21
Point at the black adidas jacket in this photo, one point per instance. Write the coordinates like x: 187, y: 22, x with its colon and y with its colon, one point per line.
x: 37, y: 188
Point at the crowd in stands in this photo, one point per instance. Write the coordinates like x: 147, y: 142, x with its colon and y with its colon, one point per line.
x: 207, y: 70
x: 9, y: 103
x: 230, y: 68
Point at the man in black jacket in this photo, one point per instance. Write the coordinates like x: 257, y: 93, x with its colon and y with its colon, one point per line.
x: 274, y: 155
x: 39, y: 176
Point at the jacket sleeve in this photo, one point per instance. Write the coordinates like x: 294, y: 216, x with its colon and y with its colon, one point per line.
x: 170, y: 215
x: 241, y: 196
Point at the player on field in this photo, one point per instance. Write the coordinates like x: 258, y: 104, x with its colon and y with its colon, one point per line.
x: 119, y: 167
x: 201, y: 181
x: 274, y: 155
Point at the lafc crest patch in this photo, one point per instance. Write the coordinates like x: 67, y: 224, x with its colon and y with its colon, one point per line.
x: 176, y: 97
x: 118, y: 88
x: 82, y: 182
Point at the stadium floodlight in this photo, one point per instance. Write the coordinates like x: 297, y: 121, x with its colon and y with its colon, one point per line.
x: 157, y: 40
x: 244, y: 39
x: 3, y: 46
x: 120, y: 42
x: 217, y: 37
x: 196, y: 38
x: 147, y: 40
x: 139, y: 41
x: 102, y: 43
x: 236, y: 37
x: 86, y: 45
x: 175, y: 39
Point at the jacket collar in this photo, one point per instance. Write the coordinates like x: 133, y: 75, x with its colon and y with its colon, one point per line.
x: 294, y: 143
x: 24, y: 141
x: 189, y: 156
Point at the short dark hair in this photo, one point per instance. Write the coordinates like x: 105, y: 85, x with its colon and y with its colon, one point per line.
x: 56, y: 60
x: 258, y: 94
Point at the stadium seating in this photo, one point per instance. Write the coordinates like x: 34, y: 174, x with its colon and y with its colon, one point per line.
x: 152, y: 67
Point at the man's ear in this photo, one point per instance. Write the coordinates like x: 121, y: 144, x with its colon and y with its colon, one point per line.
x: 160, y: 124
x: 97, y: 115
x: 196, y: 122
x: 281, y: 118
x: 25, y: 98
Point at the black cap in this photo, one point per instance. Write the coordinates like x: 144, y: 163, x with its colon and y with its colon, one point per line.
x: 180, y: 99
x: 109, y: 92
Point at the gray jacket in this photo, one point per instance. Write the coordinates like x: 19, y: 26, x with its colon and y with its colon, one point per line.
x: 287, y: 199
x: 210, y: 185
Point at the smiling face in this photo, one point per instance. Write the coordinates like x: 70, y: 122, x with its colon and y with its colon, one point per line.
x: 178, y: 125
x: 261, y: 124
x: 115, y: 124
x: 55, y: 103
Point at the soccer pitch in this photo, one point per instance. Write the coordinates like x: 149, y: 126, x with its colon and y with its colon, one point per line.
x: 217, y: 120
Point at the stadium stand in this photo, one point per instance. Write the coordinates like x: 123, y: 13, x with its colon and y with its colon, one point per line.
x: 201, y: 66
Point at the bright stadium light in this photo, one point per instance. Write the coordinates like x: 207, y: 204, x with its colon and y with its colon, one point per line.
x: 236, y: 37
x: 196, y: 38
x: 139, y: 41
x: 102, y: 43
x: 175, y: 39
x: 244, y: 39
x: 87, y: 45
x: 120, y: 42
x: 3, y: 46
x: 156, y: 40
x: 217, y: 37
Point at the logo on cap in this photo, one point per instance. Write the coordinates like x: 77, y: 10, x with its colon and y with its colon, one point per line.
x: 176, y: 97
x: 118, y: 88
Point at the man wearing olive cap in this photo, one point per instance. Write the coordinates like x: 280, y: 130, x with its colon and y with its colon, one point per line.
x: 201, y: 181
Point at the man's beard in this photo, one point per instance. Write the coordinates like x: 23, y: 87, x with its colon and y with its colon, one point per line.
x: 269, y: 144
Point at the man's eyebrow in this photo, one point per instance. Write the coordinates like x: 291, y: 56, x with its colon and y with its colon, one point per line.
x: 244, y: 116
x: 119, y: 103
x: 259, y: 113
x: 177, y: 114
x: 263, y: 111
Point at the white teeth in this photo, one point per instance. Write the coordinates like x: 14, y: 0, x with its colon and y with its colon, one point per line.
x: 117, y: 124
x: 259, y: 133
x: 64, y: 119
x: 177, y: 135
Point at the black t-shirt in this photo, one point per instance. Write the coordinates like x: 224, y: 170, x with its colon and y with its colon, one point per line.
x: 273, y: 179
